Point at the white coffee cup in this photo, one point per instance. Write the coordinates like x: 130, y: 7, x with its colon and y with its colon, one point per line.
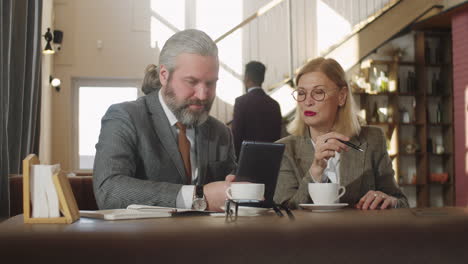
x: 246, y: 191
x: 325, y: 193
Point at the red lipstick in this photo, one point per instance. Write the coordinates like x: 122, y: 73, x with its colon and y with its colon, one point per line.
x: 309, y: 113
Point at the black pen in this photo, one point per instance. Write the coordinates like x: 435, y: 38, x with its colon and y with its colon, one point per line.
x: 351, y: 145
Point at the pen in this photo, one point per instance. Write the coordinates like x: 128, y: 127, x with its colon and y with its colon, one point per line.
x: 351, y: 145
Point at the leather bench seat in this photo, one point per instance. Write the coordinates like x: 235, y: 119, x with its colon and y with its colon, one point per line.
x: 82, y: 187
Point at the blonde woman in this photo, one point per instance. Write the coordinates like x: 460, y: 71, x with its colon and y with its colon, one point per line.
x: 315, y: 152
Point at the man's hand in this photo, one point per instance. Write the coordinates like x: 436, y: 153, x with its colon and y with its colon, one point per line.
x: 215, y: 193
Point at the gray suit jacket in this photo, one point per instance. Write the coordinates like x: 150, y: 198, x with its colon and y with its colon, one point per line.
x: 138, y: 161
x: 359, y: 171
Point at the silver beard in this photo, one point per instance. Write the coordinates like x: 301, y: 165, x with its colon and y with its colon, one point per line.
x: 182, y: 111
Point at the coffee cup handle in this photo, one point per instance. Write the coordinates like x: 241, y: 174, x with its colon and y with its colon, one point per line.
x: 228, y: 194
x: 343, y: 189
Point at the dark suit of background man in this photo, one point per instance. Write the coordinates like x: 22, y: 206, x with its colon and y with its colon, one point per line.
x: 256, y: 115
x: 164, y: 149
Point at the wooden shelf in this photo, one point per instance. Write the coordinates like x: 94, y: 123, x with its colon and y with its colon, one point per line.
x: 421, y: 69
x: 440, y: 124
x: 411, y: 124
x: 411, y: 154
x: 439, y: 95
x: 445, y: 184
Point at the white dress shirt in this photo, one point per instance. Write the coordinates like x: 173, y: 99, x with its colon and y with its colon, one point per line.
x: 185, y: 195
x: 253, y: 88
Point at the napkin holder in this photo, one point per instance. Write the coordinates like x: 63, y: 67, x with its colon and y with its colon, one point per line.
x: 68, y: 206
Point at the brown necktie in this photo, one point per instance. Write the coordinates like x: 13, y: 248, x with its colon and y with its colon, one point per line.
x: 184, y: 148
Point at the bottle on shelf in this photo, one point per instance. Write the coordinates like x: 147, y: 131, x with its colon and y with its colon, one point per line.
x: 402, y: 86
x: 375, y: 113
x: 429, y: 145
x: 439, y: 114
x: 405, y: 117
x: 433, y: 87
x: 439, y: 148
x: 438, y: 54
x: 410, y: 82
x: 383, y: 81
x: 373, y: 79
x: 428, y: 115
x: 390, y: 114
x: 427, y: 52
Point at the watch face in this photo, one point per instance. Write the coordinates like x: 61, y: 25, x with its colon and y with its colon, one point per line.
x: 199, y: 204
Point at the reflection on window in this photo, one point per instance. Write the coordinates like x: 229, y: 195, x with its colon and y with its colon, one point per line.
x: 93, y: 104
x: 283, y: 96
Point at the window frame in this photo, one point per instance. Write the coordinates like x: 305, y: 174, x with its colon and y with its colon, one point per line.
x: 78, y: 82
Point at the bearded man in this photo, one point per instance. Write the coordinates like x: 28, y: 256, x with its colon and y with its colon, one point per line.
x: 164, y: 149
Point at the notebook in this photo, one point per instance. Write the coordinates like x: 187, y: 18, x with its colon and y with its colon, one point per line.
x: 259, y: 162
x: 136, y: 211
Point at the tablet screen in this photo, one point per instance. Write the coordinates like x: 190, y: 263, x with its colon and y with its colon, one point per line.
x: 259, y: 162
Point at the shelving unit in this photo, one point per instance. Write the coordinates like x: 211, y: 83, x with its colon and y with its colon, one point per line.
x: 416, y: 111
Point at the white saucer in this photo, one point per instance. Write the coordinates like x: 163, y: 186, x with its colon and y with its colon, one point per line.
x: 323, y: 207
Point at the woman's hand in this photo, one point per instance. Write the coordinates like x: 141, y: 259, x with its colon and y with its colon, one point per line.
x: 325, y: 147
x: 373, y: 199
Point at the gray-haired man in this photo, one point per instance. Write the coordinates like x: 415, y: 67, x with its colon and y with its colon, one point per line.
x: 164, y: 149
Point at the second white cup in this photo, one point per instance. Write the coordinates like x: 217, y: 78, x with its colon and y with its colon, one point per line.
x: 246, y: 191
x: 326, y: 193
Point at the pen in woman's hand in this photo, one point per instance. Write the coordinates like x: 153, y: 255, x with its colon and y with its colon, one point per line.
x: 351, y: 145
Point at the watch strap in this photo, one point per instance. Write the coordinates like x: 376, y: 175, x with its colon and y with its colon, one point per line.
x: 199, y: 191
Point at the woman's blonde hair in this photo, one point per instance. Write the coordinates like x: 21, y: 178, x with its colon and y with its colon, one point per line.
x: 346, y: 122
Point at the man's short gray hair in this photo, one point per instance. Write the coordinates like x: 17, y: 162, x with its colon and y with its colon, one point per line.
x: 191, y: 41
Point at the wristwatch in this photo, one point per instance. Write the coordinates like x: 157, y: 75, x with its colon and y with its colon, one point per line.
x: 199, y: 201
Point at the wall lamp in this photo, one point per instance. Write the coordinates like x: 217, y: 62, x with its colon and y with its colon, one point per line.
x: 56, y: 37
x: 55, y: 82
x: 48, y: 37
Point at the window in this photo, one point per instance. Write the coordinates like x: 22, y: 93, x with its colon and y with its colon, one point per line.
x: 93, y: 98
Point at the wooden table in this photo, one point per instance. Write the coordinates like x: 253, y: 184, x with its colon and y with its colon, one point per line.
x: 346, y: 236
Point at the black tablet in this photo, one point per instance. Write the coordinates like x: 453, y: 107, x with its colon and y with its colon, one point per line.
x: 259, y: 162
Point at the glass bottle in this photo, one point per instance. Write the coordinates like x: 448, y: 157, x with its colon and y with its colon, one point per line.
x: 373, y: 80
x: 427, y: 52
x: 433, y: 84
x: 429, y: 145
x: 410, y: 82
x: 375, y: 113
x: 383, y: 82
x: 439, y: 114
x: 390, y: 114
x: 405, y: 117
x: 438, y: 89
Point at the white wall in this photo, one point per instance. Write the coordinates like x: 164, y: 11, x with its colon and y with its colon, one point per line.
x: 123, y: 28
x: 131, y: 32
x: 45, y: 141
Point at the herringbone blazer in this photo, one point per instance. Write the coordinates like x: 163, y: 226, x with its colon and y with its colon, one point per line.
x: 138, y: 160
x: 359, y: 171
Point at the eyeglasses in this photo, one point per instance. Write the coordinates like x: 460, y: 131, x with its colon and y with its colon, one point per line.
x: 232, y: 208
x: 317, y: 94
